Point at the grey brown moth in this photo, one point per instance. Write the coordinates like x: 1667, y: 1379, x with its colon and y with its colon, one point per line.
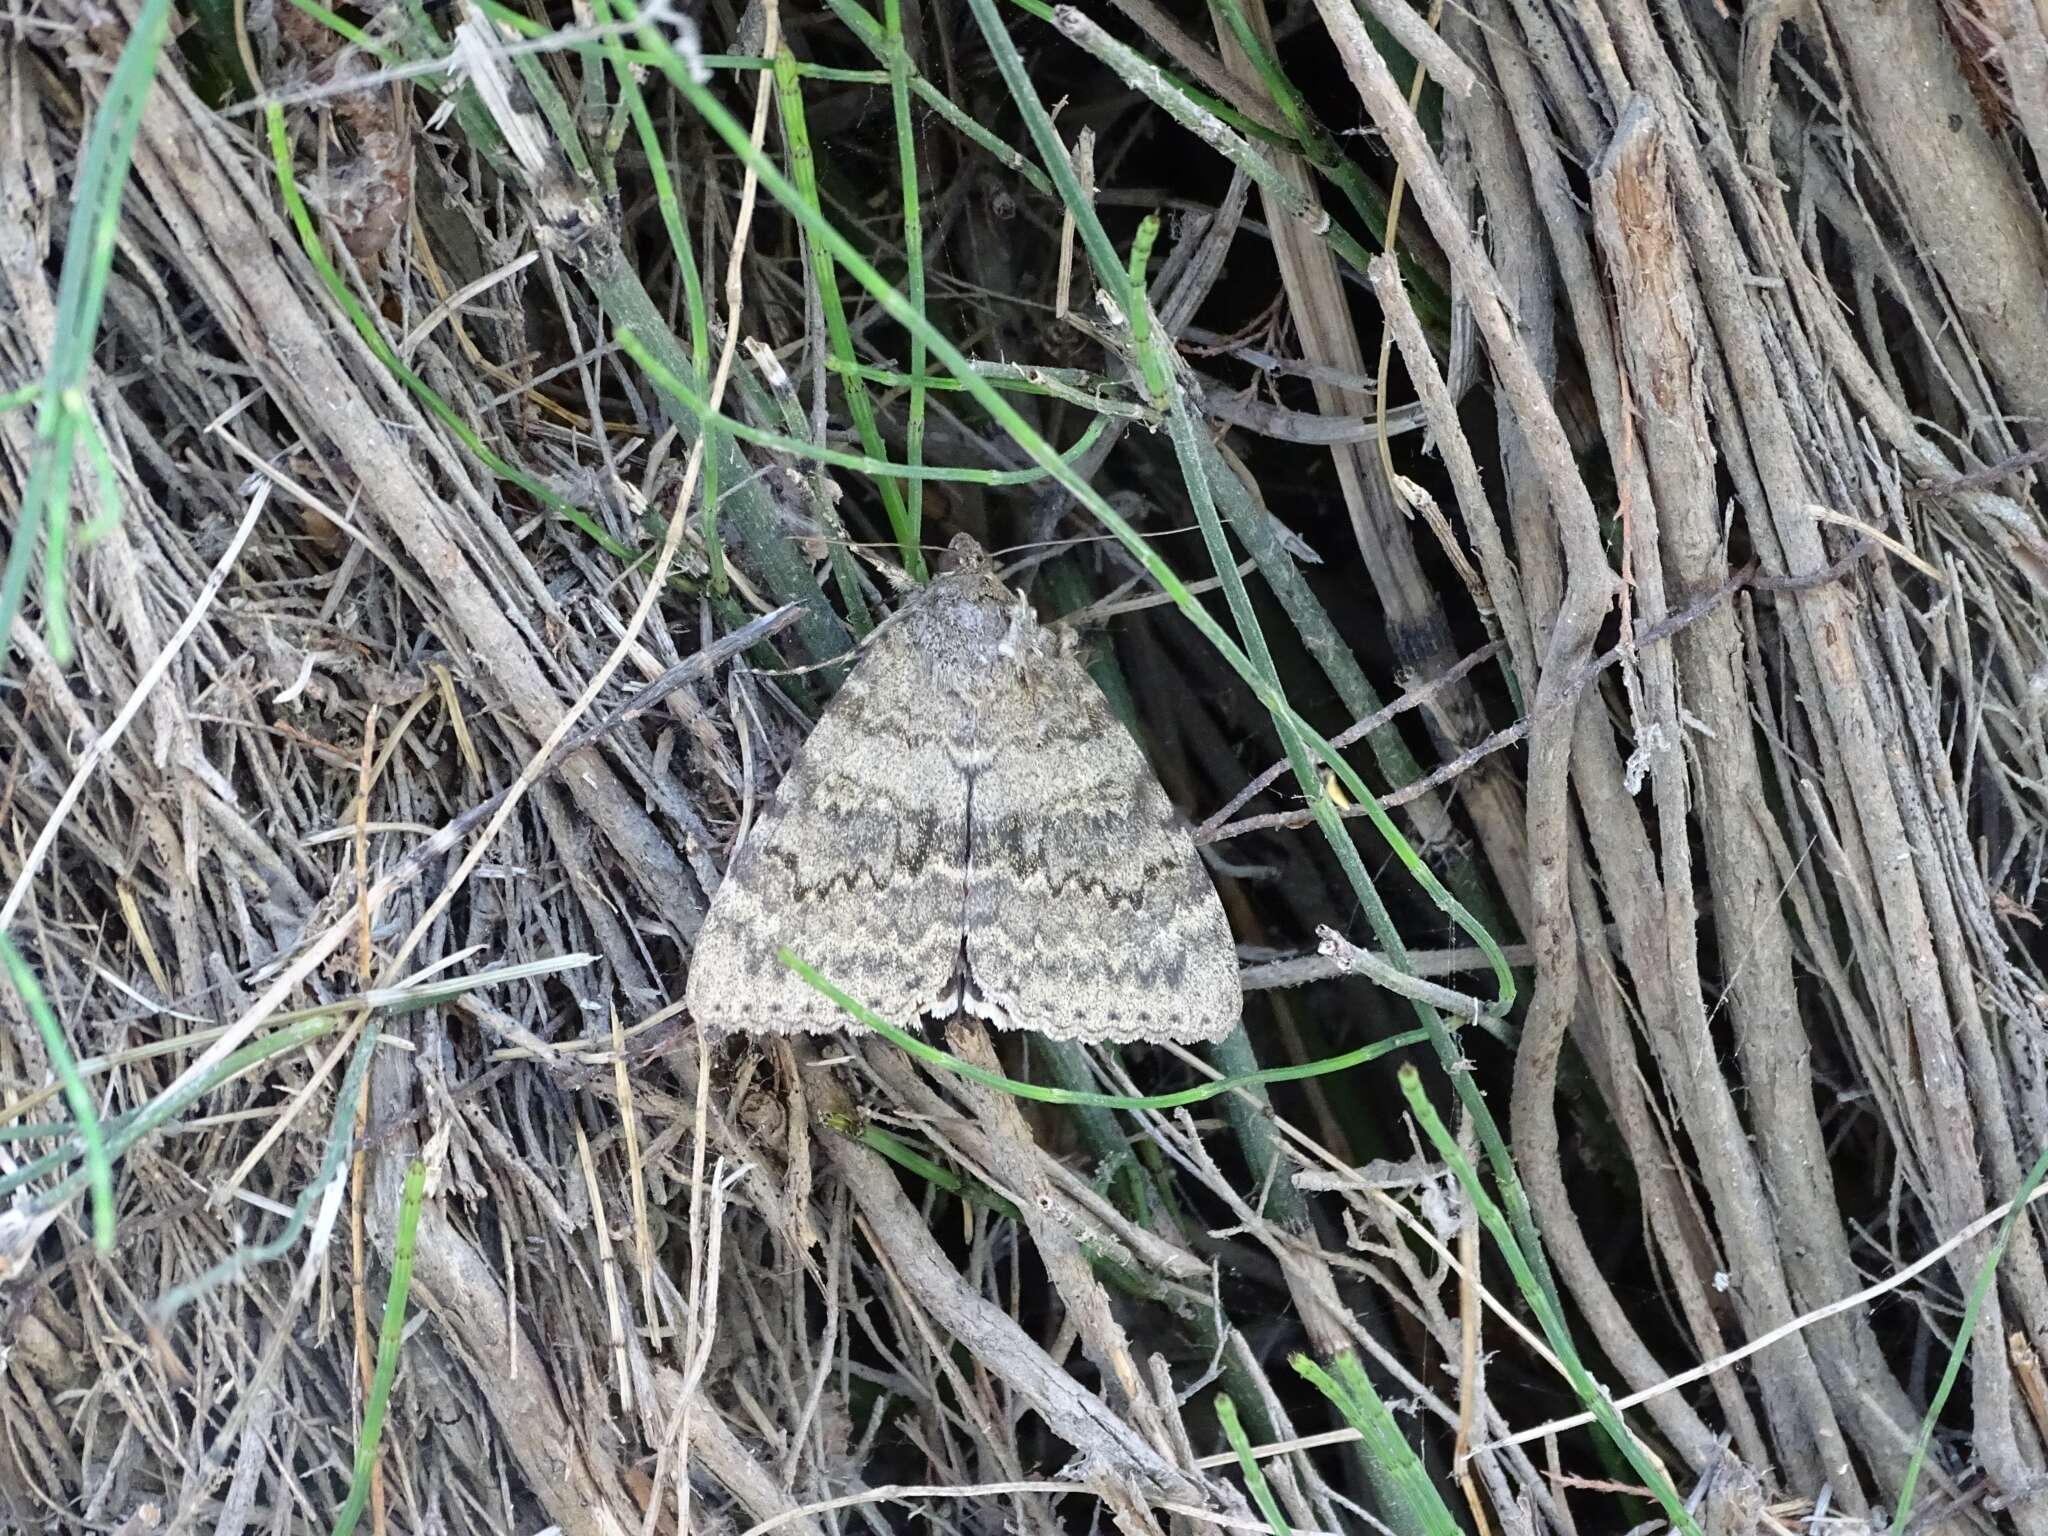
x: 969, y: 828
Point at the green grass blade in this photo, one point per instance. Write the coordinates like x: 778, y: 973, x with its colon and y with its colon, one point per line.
x: 1403, y: 1477
x: 669, y: 204
x: 373, y: 337
x: 698, y: 408
x: 123, y: 1131
x: 898, y: 57
x: 915, y: 1163
x: 1322, y: 149
x: 333, y: 1165
x: 1543, y: 1302
x: 1109, y: 272
x: 876, y: 40
x: 1149, y: 80
x: 1215, y: 107
x: 99, y: 1166
x: 1248, y: 1464
x: 838, y: 333
x: 1191, y: 444
x: 81, y: 295
x: 390, y: 1333
x: 302, y: 1027
x: 1199, y: 1094
x: 1987, y: 1274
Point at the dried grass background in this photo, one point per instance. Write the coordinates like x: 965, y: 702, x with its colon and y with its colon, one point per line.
x: 1704, y: 561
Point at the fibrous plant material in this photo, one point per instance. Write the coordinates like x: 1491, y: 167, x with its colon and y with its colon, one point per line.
x: 1712, y: 673
x: 969, y: 827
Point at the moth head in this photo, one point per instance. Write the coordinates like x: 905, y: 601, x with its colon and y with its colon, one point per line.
x: 965, y: 557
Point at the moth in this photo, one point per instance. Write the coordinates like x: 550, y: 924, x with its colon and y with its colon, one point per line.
x: 969, y: 829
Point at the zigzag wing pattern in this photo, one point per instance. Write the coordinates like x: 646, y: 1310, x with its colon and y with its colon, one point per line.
x: 1089, y: 914
x: 857, y: 866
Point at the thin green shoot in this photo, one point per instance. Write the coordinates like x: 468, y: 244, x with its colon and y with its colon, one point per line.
x: 1109, y: 272
x: 1212, y: 105
x: 1543, y: 1303
x: 1149, y: 79
x: 912, y: 1161
x: 838, y: 332
x: 426, y: 989
x: 1322, y: 149
x: 741, y: 63
x: 668, y: 203
x: 333, y: 1165
x: 390, y: 1333
x: 1102, y: 1257
x: 818, y: 488
x: 373, y: 337
x: 1193, y: 449
x: 1248, y: 1464
x: 1201, y: 1093
x: 98, y: 1165
x: 1077, y: 386
x: 64, y: 412
x: 301, y: 1027
x: 800, y: 448
x: 1140, y: 317
x: 1353, y: 1395
x: 898, y: 57
x: 876, y: 40
x: 123, y: 1131
x: 355, y: 34
x: 1987, y: 1274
